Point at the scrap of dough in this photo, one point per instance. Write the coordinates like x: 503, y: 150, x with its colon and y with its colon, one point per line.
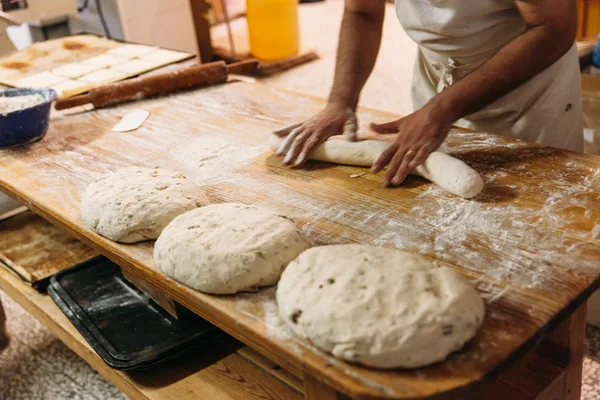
x: 104, y: 60
x: 228, y: 248
x: 164, y: 56
x: 103, y: 76
x: 379, y: 307
x: 75, y: 70
x: 43, y: 79
x: 131, y: 50
x: 131, y: 121
x: 134, y: 204
x: 440, y: 168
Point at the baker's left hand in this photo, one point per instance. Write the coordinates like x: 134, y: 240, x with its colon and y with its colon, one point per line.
x: 417, y: 135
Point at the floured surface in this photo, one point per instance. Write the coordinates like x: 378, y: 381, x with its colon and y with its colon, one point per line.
x: 530, y: 240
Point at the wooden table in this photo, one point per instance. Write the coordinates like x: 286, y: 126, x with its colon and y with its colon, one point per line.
x: 529, y: 242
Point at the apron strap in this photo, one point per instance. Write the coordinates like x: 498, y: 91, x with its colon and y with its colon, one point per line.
x: 447, y: 72
x: 447, y: 77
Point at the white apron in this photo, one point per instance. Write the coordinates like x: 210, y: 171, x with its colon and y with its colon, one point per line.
x: 455, y: 37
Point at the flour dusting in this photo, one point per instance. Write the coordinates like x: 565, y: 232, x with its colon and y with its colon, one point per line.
x: 214, y: 158
x: 524, y: 240
x: 274, y: 324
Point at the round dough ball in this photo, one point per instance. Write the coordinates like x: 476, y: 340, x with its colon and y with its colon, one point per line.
x: 228, y: 248
x: 134, y: 204
x: 379, y: 307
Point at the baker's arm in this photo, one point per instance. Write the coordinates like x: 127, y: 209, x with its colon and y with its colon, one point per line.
x: 551, y: 29
x: 360, y: 38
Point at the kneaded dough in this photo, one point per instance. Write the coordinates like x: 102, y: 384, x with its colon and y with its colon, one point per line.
x: 134, y: 204
x: 379, y: 307
x: 448, y: 172
x: 228, y: 248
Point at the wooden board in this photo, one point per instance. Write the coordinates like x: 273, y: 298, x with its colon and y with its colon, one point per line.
x: 35, y: 249
x: 529, y: 242
x: 216, y: 373
x: 264, y: 363
x: 46, y: 56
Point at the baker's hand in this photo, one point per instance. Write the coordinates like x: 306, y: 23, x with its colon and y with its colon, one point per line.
x: 304, y: 137
x: 417, y: 135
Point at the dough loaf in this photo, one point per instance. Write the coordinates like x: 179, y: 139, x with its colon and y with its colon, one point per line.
x: 135, y: 204
x: 379, y: 307
x: 440, y: 168
x: 228, y: 248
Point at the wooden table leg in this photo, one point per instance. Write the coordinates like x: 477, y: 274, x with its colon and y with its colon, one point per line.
x: 566, y: 345
x: 200, y: 9
x: 314, y: 389
x: 3, y: 335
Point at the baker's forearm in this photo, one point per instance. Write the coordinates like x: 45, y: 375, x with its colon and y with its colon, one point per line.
x: 360, y: 38
x: 520, y: 60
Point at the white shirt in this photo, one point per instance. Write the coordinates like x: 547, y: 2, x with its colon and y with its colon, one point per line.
x: 455, y: 37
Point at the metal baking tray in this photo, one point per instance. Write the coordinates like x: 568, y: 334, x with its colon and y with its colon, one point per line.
x: 121, y: 323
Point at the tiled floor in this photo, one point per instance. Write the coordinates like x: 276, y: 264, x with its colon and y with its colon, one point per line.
x: 591, y: 365
x: 38, y: 366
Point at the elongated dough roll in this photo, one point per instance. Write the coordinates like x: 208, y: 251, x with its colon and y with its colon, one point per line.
x: 450, y: 173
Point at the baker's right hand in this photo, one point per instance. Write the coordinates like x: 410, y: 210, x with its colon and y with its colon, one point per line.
x: 304, y: 137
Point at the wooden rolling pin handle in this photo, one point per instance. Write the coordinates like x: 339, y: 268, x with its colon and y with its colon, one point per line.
x: 246, y: 67
x: 71, y: 102
x: 166, y: 82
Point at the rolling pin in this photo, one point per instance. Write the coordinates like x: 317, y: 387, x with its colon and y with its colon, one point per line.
x: 161, y: 83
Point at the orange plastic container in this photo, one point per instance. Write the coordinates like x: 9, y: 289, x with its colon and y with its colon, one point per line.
x: 273, y: 28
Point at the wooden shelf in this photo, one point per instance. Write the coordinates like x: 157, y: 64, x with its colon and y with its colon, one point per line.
x: 219, y: 374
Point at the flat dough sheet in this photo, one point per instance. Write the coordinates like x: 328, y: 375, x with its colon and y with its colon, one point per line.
x: 103, y: 76
x: 75, y: 70
x: 105, y: 60
x: 164, y: 56
x: 131, y: 50
x: 43, y: 79
x: 70, y: 85
x: 137, y: 66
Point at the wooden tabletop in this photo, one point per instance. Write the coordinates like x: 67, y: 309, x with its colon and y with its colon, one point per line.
x: 529, y: 242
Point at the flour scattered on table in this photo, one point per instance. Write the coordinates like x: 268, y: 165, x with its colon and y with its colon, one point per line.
x: 457, y: 231
x: 18, y: 103
x: 275, y: 325
x: 214, y: 158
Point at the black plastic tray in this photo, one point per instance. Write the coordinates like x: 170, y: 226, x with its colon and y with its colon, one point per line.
x: 121, y: 323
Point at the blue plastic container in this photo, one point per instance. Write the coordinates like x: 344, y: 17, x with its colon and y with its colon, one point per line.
x: 596, y: 53
x: 28, y: 125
